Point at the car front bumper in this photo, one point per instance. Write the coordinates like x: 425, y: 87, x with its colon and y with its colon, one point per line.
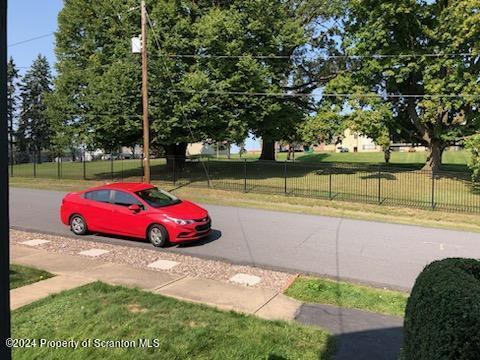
x: 191, y: 232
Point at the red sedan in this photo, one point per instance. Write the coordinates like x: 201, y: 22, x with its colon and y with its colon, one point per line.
x: 135, y: 210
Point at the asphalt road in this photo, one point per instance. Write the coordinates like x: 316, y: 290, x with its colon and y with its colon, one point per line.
x: 371, y: 252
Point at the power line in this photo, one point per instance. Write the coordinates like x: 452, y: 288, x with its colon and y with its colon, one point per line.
x: 326, y: 57
x: 273, y: 94
x: 31, y: 39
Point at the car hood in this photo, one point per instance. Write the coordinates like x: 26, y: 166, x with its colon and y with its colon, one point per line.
x: 184, y: 210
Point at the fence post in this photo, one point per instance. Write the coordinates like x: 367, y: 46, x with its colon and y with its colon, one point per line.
x: 12, y: 160
x: 84, y: 164
x: 433, y: 189
x: 111, y: 166
x: 285, y: 177
x: 245, y: 175
x: 59, y: 159
x: 379, y: 185
x: 208, y: 171
x: 121, y: 159
x: 34, y: 167
x: 174, y: 175
x: 330, y: 184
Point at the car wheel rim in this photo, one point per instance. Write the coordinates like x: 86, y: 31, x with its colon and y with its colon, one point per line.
x: 156, y: 236
x: 77, y: 225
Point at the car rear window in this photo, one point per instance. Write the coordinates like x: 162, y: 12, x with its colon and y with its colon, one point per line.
x: 98, y: 195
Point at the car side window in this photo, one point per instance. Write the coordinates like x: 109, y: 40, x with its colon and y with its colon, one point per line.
x: 98, y: 195
x: 125, y: 199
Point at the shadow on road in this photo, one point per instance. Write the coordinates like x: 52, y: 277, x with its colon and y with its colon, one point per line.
x: 213, y: 236
x: 130, y: 241
x: 381, y: 344
x: 359, y: 334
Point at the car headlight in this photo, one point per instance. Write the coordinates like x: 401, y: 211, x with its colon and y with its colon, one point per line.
x: 180, y: 221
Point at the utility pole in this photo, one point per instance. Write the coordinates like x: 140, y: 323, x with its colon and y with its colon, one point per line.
x: 4, y: 222
x: 146, y: 125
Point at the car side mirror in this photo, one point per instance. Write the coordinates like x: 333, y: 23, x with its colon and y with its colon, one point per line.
x: 134, y: 208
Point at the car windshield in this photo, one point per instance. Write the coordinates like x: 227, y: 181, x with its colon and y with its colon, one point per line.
x: 158, y: 198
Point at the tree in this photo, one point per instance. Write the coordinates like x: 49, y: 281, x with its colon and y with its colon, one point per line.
x: 12, y: 99
x: 420, y: 112
x: 34, y: 131
x: 472, y: 144
x: 191, y: 99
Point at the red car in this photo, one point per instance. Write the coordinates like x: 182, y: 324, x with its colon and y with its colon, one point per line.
x: 136, y: 210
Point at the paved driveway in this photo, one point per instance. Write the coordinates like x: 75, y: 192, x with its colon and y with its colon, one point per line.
x: 371, y: 252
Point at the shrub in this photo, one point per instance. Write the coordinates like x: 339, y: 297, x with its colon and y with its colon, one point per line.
x: 442, y: 319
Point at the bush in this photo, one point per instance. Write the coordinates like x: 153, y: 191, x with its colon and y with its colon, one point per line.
x: 442, y: 319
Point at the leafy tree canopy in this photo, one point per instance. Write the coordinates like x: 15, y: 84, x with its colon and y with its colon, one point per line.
x: 97, y: 93
x: 403, y: 27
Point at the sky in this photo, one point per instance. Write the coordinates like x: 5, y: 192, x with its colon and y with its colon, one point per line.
x: 29, y: 19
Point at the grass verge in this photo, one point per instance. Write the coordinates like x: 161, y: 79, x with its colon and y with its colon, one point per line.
x: 352, y: 210
x: 347, y: 295
x: 22, y: 275
x: 183, y: 330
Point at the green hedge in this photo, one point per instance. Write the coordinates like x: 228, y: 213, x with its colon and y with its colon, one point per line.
x: 442, y: 319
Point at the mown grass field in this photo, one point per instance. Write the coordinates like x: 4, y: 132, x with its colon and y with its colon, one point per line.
x: 183, y: 330
x: 22, y: 275
x: 360, y: 177
x: 348, y: 295
x: 451, y: 159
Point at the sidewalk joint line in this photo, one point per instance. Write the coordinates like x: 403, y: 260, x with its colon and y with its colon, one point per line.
x: 168, y: 283
x: 266, y: 303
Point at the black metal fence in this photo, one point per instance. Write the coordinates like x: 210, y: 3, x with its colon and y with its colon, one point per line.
x: 381, y: 185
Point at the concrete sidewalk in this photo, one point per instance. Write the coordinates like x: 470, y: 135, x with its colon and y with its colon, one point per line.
x: 360, y: 334
x: 73, y: 271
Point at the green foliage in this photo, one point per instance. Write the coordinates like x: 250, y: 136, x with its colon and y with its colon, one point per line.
x: 473, y: 145
x: 326, y: 126
x: 99, y: 76
x: 416, y: 27
x: 12, y: 98
x: 34, y: 131
x: 443, y: 312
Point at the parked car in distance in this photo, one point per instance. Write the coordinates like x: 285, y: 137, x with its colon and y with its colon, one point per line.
x: 135, y: 210
x: 343, y: 149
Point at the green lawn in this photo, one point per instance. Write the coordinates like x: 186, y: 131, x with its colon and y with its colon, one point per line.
x: 183, y: 330
x: 347, y: 295
x: 22, y: 275
x: 451, y: 159
x: 322, y: 175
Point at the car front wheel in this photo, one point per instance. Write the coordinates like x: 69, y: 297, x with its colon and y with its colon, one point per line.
x: 78, y: 225
x: 158, y: 235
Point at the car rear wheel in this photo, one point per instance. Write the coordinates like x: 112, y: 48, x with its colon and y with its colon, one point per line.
x: 158, y: 235
x: 78, y: 225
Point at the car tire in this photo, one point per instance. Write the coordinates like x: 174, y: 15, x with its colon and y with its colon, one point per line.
x: 157, y: 235
x: 78, y: 225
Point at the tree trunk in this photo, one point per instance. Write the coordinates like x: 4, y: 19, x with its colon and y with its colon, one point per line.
x: 176, y: 155
x: 268, y: 150
x: 290, y: 151
x: 434, y: 156
x: 386, y: 155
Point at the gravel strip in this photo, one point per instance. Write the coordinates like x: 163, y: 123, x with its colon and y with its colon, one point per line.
x: 141, y: 258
